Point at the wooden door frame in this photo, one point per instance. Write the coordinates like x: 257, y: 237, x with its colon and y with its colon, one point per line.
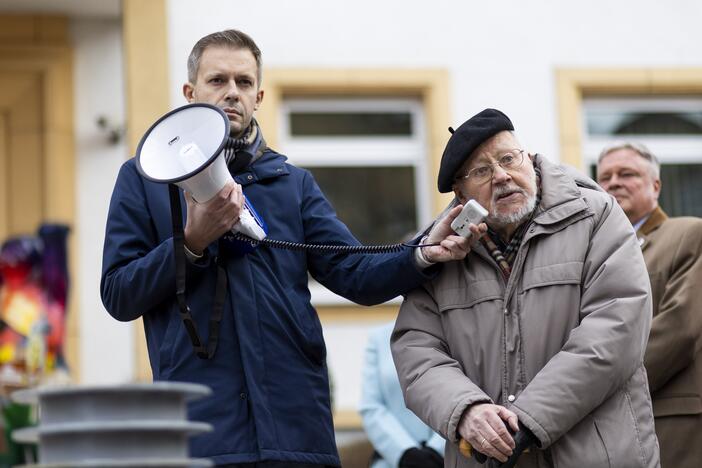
x: 40, y: 43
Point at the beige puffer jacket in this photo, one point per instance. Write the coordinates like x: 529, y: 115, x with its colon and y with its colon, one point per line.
x: 561, y: 344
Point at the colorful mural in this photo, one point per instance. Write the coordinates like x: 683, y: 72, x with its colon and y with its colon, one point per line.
x: 33, y: 291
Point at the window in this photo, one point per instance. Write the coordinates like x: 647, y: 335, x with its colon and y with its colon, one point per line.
x: 368, y: 157
x: 671, y: 127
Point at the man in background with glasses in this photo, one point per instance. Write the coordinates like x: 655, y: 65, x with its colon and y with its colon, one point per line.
x: 672, y: 249
x: 531, y: 349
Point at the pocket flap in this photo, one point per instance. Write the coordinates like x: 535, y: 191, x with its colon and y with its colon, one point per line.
x: 560, y: 273
x: 468, y: 295
x: 677, y: 405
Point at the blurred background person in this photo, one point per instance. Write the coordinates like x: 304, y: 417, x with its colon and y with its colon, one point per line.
x: 672, y: 249
x: 400, y: 438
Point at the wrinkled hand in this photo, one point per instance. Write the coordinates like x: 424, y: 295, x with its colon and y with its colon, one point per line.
x: 207, y: 222
x: 483, y: 427
x: 453, y: 246
x: 421, y: 457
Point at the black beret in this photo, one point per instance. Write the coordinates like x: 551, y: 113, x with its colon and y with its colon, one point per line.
x: 466, y: 139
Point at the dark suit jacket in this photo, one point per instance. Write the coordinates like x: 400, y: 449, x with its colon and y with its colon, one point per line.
x: 672, y: 249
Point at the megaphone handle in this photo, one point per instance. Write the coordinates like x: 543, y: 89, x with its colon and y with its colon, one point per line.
x: 248, y: 224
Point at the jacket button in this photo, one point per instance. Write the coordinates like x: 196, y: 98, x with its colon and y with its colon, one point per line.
x: 249, y: 177
x: 511, y: 398
x: 242, y: 395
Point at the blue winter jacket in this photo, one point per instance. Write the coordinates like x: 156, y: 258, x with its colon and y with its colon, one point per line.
x: 269, y: 378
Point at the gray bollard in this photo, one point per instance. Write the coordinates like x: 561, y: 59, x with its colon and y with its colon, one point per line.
x: 134, y: 425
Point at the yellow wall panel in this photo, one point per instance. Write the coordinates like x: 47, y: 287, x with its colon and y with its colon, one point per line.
x: 17, y: 28
x: 26, y: 208
x: 37, y: 150
x: 4, y: 188
x: 146, y: 63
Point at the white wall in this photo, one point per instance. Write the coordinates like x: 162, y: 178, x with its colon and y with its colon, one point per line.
x: 107, y: 346
x: 499, y: 54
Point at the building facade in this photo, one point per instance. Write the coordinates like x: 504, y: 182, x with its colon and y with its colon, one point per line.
x: 84, y: 80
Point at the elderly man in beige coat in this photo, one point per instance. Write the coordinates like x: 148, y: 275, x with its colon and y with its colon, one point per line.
x: 531, y: 349
x: 672, y: 250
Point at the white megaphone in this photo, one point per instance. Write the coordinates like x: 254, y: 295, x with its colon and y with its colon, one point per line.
x: 186, y: 147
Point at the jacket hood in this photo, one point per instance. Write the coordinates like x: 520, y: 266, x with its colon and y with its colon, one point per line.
x: 569, y: 174
x: 581, y: 180
x: 561, y: 191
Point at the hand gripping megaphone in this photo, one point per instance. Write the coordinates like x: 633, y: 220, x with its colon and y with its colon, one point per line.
x: 186, y: 147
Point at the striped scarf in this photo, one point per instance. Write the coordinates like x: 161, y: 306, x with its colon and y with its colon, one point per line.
x: 237, y: 151
x: 505, y: 253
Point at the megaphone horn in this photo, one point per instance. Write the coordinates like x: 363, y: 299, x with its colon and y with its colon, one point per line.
x: 186, y: 147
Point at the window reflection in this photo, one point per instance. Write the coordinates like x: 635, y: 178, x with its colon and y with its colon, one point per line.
x: 600, y: 122
x: 305, y: 124
x: 376, y: 203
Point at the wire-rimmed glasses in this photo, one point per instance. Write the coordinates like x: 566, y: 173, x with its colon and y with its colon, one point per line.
x: 484, y: 172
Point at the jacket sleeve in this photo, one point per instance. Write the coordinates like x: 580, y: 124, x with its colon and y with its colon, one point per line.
x: 389, y: 438
x: 607, y: 347
x: 676, y: 331
x: 138, y: 270
x: 433, y: 382
x: 366, y: 279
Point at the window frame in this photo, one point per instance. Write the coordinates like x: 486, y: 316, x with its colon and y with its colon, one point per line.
x: 670, y: 149
x: 359, y: 151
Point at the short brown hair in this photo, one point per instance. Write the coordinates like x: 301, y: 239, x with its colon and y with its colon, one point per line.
x: 227, y: 38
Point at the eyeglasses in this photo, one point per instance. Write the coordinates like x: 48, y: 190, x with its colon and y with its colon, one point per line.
x: 508, y: 161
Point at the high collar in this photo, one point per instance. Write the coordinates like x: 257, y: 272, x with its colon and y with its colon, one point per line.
x: 269, y: 166
x: 656, y: 218
x: 254, y: 141
x: 560, y: 196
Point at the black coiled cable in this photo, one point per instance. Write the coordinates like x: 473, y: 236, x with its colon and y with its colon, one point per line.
x: 327, y: 248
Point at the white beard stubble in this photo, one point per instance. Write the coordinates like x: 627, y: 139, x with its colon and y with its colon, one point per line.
x: 497, y: 221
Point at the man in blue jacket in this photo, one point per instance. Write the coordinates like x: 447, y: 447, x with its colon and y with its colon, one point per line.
x: 270, y: 403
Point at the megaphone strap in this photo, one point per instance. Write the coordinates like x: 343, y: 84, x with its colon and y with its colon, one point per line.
x: 220, y: 289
